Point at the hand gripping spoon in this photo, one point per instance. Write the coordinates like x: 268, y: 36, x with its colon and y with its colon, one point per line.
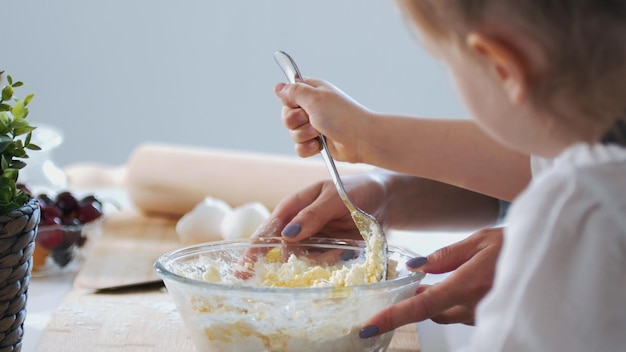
x: 370, y: 229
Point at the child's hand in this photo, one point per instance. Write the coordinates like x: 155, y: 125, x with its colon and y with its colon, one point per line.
x: 453, y: 300
x: 313, y: 107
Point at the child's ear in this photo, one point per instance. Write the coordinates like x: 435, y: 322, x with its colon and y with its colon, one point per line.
x: 504, y: 62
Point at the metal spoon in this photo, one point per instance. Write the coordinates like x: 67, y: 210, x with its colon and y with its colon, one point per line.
x: 369, y: 228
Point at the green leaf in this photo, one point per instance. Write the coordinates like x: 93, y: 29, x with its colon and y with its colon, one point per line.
x: 4, y: 145
x: 18, y: 123
x: 28, y: 98
x: 20, y: 198
x: 5, y: 195
x: 18, y: 110
x: 18, y: 164
x: 5, y: 121
x: 10, y: 174
x: 7, y: 92
x: 32, y: 146
x: 20, y: 153
x: 13, y: 146
x: 18, y: 131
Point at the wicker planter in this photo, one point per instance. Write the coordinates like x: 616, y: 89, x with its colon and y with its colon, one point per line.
x: 17, y: 243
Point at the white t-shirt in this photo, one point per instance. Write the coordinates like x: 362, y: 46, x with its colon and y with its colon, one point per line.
x: 560, y: 281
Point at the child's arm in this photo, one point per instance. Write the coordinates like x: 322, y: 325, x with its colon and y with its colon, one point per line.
x: 452, y: 151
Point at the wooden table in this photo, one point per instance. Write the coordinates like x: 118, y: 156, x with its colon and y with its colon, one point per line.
x: 143, y: 321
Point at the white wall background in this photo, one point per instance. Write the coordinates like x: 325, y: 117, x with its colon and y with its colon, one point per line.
x: 115, y: 73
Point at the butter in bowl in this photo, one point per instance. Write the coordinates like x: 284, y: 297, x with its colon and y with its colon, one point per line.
x: 267, y: 295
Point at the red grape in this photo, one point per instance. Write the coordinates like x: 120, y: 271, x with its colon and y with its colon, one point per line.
x: 50, y: 212
x: 48, y: 221
x: 66, y: 202
x: 92, y: 199
x: 88, y: 212
x: 50, y: 237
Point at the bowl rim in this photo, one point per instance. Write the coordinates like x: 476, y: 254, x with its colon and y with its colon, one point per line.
x: 73, y: 226
x: 165, y: 273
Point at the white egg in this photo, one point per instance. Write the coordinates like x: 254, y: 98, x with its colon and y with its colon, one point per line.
x: 203, y: 222
x: 244, y: 220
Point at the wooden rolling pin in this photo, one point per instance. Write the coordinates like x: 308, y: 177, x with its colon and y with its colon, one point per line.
x: 172, y: 179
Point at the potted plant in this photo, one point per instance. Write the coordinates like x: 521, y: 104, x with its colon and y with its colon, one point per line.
x: 19, y: 215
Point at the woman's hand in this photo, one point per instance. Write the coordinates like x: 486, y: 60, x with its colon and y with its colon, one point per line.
x: 318, y: 210
x: 313, y: 107
x: 453, y: 300
x: 397, y: 201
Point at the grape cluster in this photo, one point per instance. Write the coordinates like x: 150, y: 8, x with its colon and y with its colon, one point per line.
x: 60, y: 230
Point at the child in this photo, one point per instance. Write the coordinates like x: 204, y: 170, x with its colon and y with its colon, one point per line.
x: 543, y: 78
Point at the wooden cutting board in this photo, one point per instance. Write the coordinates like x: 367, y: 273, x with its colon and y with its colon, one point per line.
x: 126, y: 249
x: 144, y: 321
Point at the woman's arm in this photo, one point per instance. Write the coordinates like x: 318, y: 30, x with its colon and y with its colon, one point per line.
x: 414, y: 203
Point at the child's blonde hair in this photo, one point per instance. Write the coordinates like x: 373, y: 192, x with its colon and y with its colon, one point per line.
x: 584, y: 41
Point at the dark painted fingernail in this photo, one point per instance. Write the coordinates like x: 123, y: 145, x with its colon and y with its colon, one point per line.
x: 347, y: 255
x: 368, y: 331
x: 416, y: 262
x: 292, y: 230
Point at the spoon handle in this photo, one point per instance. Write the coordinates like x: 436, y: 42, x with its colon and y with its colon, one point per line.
x: 289, y: 67
x: 330, y: 164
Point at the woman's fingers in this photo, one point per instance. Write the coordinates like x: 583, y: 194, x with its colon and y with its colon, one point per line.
x: 455, y: 315
x: 323, y: 212
x: 305, y: 213
x: 453, y: 256
x: 431, y: 302
x: 453, y: 300
x: 286, y: 210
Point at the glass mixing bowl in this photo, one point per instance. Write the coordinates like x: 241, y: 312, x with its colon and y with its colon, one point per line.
x: 230, y: 314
